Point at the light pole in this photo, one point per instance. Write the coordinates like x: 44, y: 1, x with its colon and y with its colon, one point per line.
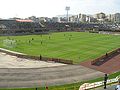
x: 67, y: 9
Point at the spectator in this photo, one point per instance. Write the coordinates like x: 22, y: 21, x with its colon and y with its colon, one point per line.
x: 40, y: 57
x: 106, y: 54
x: 118, y: 86
x: 105, y: 81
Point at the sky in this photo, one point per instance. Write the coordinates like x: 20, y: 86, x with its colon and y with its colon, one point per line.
x: 51, y: 8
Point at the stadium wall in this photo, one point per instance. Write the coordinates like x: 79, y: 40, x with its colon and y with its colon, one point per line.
x: 105, y: 57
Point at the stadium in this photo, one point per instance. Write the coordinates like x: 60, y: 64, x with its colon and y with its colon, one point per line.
x: 53, y: 54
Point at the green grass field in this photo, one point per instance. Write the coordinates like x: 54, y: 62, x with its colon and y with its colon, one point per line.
x: 76, y: 46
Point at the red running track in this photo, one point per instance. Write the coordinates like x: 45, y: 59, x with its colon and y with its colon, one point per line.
x: 111, y: 66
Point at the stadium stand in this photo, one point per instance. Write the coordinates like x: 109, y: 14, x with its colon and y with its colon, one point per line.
x: 8, y: 26
x: 18, y: 26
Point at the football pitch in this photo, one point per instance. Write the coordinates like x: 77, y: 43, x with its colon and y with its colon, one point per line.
x: 76, y: 46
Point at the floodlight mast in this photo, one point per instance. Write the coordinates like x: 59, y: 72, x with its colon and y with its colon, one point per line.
x: 67, y: 9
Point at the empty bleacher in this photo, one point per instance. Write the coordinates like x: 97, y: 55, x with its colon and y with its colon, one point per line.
x: 8, y: 26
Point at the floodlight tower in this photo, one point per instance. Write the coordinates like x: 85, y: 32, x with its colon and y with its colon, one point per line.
x: 67, y: 9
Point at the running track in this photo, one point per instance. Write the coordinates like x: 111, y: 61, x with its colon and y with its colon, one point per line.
x: 37, y: 77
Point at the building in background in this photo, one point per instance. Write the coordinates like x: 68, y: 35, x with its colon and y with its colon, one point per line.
x: 55, y: 19
x: 101, y: 17
x: 114, y: 18
x: 32, y: 18
x: 74, y: 19
x: 82, y: 17
x: 42, y: 19
x: 91, y: 19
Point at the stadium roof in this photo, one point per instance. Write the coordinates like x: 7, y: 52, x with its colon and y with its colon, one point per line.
x: 23, y: 20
